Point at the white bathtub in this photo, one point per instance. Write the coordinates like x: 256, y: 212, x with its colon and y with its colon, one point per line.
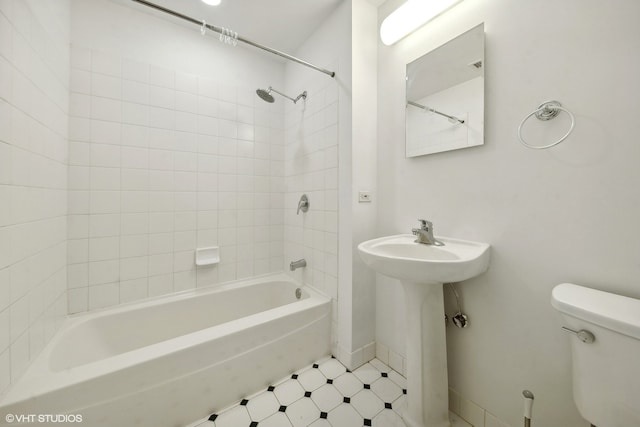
x: 172, y: 360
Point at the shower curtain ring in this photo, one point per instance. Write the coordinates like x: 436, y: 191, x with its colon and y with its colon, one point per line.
x: 203, y: 28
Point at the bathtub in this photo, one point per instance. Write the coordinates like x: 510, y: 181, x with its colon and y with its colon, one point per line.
x: 172, y: 360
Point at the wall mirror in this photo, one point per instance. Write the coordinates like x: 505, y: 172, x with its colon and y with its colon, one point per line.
x: 445, y: 96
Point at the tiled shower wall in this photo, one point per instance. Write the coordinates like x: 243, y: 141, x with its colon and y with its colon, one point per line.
x: 34, y: 75
x: 311, y: 168
x: 160, y: 163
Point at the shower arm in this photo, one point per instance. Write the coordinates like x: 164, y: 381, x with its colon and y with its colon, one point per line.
x: 220, y: 30
x: 415, y: 104
x: 295, y: 100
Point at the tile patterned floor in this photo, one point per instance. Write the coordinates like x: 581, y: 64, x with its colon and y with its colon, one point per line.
x: 325, y: 394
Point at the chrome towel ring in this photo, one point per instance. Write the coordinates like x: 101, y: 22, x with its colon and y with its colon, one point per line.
x: 546, y: 111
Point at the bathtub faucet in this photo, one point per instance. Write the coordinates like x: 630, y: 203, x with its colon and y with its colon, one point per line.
x: 297, y: 264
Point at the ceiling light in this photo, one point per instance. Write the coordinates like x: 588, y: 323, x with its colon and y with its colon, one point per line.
x: 211, y: 2
x: 411, y: 16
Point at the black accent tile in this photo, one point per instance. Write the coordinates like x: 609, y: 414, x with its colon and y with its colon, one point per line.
x: 323, y: 415
x: 244, y: 402
x: 387, y: 405
x: 253, y: 424
x: 307, y: 394
x: 213, y: 417
x: 347, y: 400
x: 332, y: 356
x: 367, y: 422
x: 271, y: 388
x: 294, y: 376
x: 404, y: 391
x: 367, y: 386
x: 348, y: 370
x: 385, y: 375
x: 282, y: 408
x: 329, y: 381
x: 315, y: 365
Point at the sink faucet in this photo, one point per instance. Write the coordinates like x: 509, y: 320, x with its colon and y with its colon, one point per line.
x: 424, y: 234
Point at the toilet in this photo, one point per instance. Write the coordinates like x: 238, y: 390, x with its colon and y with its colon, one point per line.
x: 604, y: 330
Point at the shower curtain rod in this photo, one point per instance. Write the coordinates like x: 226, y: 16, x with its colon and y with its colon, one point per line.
x: 221, y: 30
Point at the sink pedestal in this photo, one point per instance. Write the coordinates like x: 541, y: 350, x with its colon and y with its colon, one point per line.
x: 422, y: 269
x: 427, y: 382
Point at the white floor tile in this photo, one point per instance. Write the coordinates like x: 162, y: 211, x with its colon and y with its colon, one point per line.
x: 367, y: 404
x: 332, y: 368
x: 345, y: 416
x: 312, y: 379
x: 398, y: 379
x: 288, y: 392
x: 367, y: 373
x: 327, y: 397
x: 348, y: 384
x: 324, y: 395
x: 380, y: 366
x: 278, y: 419
x: 386, y: 390
x: 320, y: 423
x: 263, y: 405
x: 234, y: 417
x: 302, y: 412
x: 388, y: 418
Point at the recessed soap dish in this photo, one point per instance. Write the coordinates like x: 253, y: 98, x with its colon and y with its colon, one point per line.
x: 207, y: 256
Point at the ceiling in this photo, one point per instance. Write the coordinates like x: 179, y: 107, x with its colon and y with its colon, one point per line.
x: 280, y: 24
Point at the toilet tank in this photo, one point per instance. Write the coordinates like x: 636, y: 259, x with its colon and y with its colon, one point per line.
x: 606, y: 372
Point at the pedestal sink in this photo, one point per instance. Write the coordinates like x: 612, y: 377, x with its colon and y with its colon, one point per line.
x: 422, y: 270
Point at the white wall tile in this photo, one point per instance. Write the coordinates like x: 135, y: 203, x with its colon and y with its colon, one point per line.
x: 133, y: 290
x: 105, y: 155
x: 34, y: 128
x: 105, y: 295
x: 136, y: 71
x: 157, y: 180
x: 101, y: 272
x: 106, y: 64
x: 105, y: 86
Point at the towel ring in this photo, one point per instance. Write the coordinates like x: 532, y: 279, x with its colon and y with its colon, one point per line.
x: 546, y: 111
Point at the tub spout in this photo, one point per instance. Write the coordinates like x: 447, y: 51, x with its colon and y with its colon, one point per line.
x: 297, y: 264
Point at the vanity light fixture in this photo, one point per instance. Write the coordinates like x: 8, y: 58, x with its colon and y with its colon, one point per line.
x: 211, y: 2
x: 411, y: 16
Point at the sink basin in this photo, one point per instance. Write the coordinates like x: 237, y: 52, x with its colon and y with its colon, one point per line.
x: 400, y: 257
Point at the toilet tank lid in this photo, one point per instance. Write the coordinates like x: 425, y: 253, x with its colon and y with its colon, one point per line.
x: 611, y: 311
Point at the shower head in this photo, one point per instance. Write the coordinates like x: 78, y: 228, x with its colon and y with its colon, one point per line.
x: 265, y: 95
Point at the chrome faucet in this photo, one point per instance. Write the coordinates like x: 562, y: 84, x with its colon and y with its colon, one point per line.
x: 297, y: 264
x: 424, y: 234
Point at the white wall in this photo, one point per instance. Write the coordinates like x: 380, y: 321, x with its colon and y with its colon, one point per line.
x: 34, y: 76
x: 363, y: 162
x: 313, y: 163
x: 344, y: 43
x: 564, y: 214
x: 170, y: 150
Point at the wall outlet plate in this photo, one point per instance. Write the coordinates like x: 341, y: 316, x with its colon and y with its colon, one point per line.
x: 364, y: 196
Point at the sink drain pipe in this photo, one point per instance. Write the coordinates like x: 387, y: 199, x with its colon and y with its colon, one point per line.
x: 528, y: 407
